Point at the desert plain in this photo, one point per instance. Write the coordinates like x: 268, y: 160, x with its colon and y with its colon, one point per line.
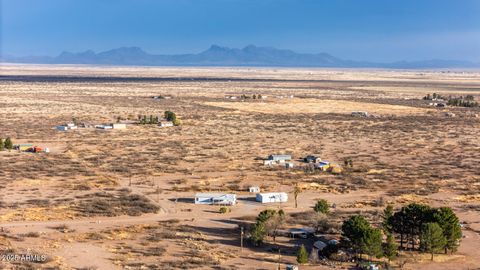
x: 123, y: 199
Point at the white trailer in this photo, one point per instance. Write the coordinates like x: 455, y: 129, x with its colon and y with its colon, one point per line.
x: 216, y: 198
x: 119, y: 126
x: 273, y: 197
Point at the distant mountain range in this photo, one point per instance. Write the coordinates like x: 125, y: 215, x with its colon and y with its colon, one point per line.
x: 222, y: 56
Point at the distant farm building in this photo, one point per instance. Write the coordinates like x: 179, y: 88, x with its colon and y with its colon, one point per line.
x: 103, y: 126
x: 254, y: 189
x: 215, y: 198
x: 360, y: 114
x: 66, y: 127
x: 166, y: 124
x: 300, y: 232
x: 27, y: 147
x: 273, y: 197
x: 312, y: 159
x: 23, y: 147
x: 279, y: 158
x: 119, y: 126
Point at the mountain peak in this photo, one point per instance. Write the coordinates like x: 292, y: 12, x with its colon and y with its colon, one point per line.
x: 216, y: 55
x: 216, y: 47
x: 129, y: 50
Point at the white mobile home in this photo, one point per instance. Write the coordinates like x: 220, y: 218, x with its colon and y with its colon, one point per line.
x: 279, y: 158
x: 215, y: 198
x: 119, y: 126
x: 273, y: 197
x: 103, y: 126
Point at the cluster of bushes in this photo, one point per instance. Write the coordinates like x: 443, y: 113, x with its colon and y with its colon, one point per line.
x: 437, y: 229
x: 243, y: 96
x: 414, y: 221
x: 461, y: 101
x: 153, y: 120
x: 7, y: 144
x: 101, y: 204
x: 171, y: 116
x: 434, y: 96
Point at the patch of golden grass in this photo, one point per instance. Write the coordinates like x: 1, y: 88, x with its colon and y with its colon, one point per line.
x: 313, y: 106
x: 374, y: 171
x: 425, y: 257
x: 468, y: 198
x: 39, y: 214
x: 317, y: 187
x: 411, y: 198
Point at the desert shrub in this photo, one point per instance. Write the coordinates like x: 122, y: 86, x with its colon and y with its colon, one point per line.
x: 224, y: 210
x: 302, y: 255
x: 322, y: 206
x: 115, y: 205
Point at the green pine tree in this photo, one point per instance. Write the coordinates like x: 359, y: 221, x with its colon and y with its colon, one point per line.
x: 372, y: 243
x: 258, y: 233
x: 450, y: 224
x: 432, y: 239
x: 353, y: 232
x: 302, y: 255
x: 387, y: 219
x: 2, y: 147
x: 8, y: 143
x: 390, y: 249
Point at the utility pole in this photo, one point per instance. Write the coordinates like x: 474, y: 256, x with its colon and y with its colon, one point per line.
x: 241, y: 238
x: 279, y: 258
x: 176, y: 197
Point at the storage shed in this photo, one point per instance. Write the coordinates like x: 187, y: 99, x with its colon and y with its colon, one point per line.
x: 254, y: 189
x: 273, y: 197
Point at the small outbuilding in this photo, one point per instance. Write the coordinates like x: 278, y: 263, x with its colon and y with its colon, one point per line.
x: 166, y: 124
x: 320, y: 245
x: 216, y: 198
x: 272, y: 197
x: 254, y: 189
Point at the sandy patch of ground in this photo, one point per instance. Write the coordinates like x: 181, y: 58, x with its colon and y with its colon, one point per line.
x: 314, y: 106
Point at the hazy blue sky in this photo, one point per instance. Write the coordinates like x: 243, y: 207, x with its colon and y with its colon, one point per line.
x: 377, y: 30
